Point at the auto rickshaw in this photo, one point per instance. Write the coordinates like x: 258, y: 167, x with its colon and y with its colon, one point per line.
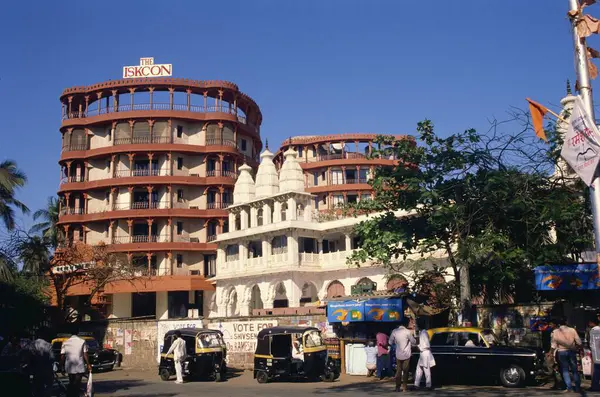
x: 206, y: 353
x: 292, y: 352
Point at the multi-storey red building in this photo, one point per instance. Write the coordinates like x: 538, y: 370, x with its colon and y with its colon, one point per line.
x: 337, y: 168
x: 148, y: 166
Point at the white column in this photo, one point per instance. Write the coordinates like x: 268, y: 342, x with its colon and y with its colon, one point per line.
x: 244, y: 219
x: 243, y: 253
x: 231, y: 222
x: 292, y: 210
x: 267, y: 214
x: 292, y: 247
x: 162, y: 308
x: 348, y: 242
x: 277, y: 212
x: 253, y: 217
x: 266, y: 251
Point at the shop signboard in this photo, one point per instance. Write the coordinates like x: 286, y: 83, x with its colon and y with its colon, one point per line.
x: 345, y: 311
x: 384, y: 310
x: 583, y: 276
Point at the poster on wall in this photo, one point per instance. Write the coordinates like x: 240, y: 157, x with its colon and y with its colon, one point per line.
x: 240, y: 336
x: 385, y: 310
x: 167, y: 325
x: 345, y: 311
x: 128, y: 341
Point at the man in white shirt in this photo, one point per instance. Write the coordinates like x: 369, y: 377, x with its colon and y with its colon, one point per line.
x: 179, y: 351
x: 75, y: 361
x: 426, y: 360
x: 595, y: 385
x: 403, y: 339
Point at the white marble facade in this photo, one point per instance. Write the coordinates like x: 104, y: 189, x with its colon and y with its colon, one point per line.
x: 279, y: 252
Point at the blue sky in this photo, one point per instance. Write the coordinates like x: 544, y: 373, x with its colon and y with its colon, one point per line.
x: 313, y: 66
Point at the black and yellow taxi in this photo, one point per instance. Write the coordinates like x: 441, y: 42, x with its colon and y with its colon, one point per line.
x: 100, y: 358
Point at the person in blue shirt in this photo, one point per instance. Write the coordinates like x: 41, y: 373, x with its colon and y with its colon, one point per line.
x: 371, y: 352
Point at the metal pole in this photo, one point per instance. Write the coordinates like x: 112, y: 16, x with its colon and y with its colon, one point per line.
x: 585, y: 90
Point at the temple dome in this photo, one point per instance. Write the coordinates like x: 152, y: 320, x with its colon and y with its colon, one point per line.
x: 244, y: 189
x: 291, y: 177
x: 267, y: 180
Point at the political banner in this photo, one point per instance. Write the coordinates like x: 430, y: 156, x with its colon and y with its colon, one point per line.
x: 581, y: 147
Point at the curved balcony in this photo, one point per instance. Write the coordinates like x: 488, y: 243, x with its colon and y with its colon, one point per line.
x: 145, y: 177
x: 143, y: 210
x: 157, y: 243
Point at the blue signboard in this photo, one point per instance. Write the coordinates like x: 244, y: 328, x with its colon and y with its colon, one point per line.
x: 385, y: 310
x: 583, y: 276
x: 345, y: 311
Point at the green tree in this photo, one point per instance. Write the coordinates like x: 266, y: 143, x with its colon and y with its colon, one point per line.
x: 49, y: 221
x: 488, y: 202
x: 11, y: 179
x: 34, y: 254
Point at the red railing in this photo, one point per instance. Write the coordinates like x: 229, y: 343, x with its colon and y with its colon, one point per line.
x: 225, y: 174
x: 75, y: 147
x: 214, y: 206
x: 73, y: 178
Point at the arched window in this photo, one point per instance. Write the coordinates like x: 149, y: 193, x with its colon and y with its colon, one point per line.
x: 283, y: 211
x: 281, y: 299
x: 232, y: 309
x: 309, y: 294
x: 279, y: 244
x: 255, y: 299
x: 228, y: 133
x: 78, y: 140
x: 212, y: 134
x: 238, y: 222
x: 397, y: 281
x: 259, y: 217
x: 232, y: 253
x: 335, y: 289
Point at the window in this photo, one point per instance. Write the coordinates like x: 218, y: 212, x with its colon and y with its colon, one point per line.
x: 179, y: 163
x: 179, y: 228
x: 443, y: 339
x: 244, y: 144
x: 316, y: 203
x: 178, y: 304
x: 143, y: 304
x: 316, y: 179
x: 107, y: 196
x: 336, y: 177
x: 180, y: 195
x: 179, y: 261
x: 470, y: 339
x: 179, y: 131
x: 299, y: 149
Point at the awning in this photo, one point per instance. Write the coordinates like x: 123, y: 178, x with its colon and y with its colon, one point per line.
x: 575, y: 277
x: 361, y: 310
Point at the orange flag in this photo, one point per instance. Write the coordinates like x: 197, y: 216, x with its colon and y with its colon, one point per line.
x: 537, y: 116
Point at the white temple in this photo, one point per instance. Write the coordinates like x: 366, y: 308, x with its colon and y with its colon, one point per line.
x: 280, y: 252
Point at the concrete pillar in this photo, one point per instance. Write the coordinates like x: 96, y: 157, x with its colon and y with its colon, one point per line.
x: 253, y: 217
x: 292, y: 248
x: 291, y: 213
x: 266, y: 251
x: 121, y: 306
x: 267, y: 214
x: 348, y: 239
x: 277, y: 212
x: 244, y: 219
x: 162, y: 308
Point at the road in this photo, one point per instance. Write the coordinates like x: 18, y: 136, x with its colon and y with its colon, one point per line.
x: 241, y: 384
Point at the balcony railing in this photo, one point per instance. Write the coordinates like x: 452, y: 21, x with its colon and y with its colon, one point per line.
x: 336, y: 156
x: 73, y: 178
x: 355, y: 181
x: 210, y: 238
x: 157, y: 106
x: 143, y: 205
x: 216, y: 206
x: 71, y: 211
x: 279, y: 250
x: 220, y: 142
x: 123, y: 173
x: 74, y: 147
x: 221, y: 173
x: 141, y: 238
x: 142, y: 139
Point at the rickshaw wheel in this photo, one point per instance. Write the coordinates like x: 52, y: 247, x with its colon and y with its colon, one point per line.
x: 262, y: 377
x: 165, y: 374
x: 328, y: 377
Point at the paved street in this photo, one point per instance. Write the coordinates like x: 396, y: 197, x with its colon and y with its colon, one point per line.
x: 139, y: 384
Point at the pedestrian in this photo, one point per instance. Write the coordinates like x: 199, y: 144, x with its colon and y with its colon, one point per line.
x: 371, y: 352
x: 178, y: 348
x: 383, y: 356
x: 566, y: 342
x: 12, y: 348
x: 595, y: 330
x: 41, y: 361
x: 426, y: 359
x: 75, y: 361
x: 403, y: 339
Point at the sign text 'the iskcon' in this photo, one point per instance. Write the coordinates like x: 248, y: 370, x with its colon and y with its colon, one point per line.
x: 147, y: 68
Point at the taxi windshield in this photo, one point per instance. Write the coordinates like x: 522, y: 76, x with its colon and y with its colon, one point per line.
x: 313, y: 339
x: 210, y: 340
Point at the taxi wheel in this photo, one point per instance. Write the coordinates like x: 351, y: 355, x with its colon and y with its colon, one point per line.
x: 165, y: 374
x: 262, y: 377
x: 512, y: 376
x: 218, y: 377
x: 329, y: 377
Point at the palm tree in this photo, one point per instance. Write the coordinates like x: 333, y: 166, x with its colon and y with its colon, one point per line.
x: 7, y: 268
x: 49, y: 216
x: 34, y: 252
x: 11, y: 178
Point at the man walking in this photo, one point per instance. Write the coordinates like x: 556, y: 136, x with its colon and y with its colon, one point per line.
x: 41, y: 361
x: 75, y: 361
x: 383, y: 357
x: 179, y: 351
x: 426, y: 360
x: 403, y: 339
x: 595, y: 348
x: 566, y: 342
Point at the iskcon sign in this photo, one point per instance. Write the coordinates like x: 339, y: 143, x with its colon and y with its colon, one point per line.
x: 147, y: 68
